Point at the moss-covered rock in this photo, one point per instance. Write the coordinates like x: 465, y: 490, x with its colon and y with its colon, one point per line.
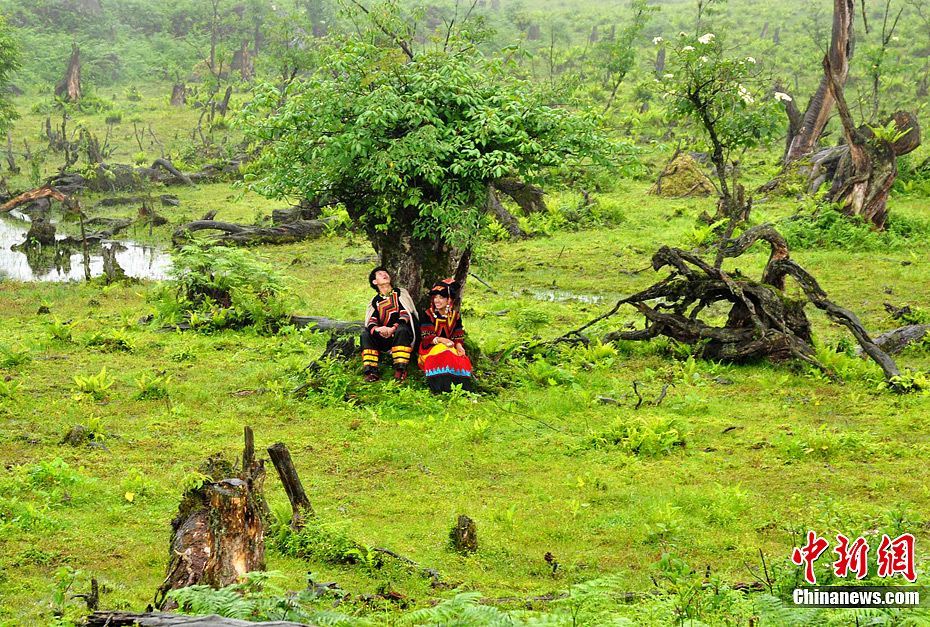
x: 683, y: 177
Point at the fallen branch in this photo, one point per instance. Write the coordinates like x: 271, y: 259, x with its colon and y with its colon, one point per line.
x: 30, y: 196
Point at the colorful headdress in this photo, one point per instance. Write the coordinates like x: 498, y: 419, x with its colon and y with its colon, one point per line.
x: 447, y: 287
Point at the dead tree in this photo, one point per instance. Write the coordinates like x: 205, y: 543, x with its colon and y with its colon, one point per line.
x: 821, y: 104
x: 219, y: 533
x: 496, y: 209
x: 864, y: 176
x: 762, y: 323
x: 69, y: 87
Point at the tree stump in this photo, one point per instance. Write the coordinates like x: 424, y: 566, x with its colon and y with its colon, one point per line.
x: 464, y: 536
x: 178, y: 95
x: 219, y: 533
x: 69, y: 87
x: 42, y: 232
x: 111, y: 268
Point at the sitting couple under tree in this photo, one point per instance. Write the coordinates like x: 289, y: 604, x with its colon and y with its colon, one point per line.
x: 393, y: 324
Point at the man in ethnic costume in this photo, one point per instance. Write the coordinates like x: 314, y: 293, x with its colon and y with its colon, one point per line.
x: 390, y: 325
x: 442, y: 353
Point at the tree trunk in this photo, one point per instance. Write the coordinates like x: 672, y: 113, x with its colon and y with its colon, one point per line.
x: 178, y: 95
x: 164, y: 619
x: 70, y: 86
x: 496, y: 209
x: 416, y: 264
x: 821, y: 104
x: 865, y: 176
x: 219, y: 532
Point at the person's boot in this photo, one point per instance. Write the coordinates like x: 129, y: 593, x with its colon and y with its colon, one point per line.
x: 400, y: 375
x: 371, y: 376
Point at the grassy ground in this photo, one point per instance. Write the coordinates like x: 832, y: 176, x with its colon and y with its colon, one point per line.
x: 736, y: 459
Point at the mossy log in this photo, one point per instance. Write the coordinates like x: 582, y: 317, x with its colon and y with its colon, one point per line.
x: 239, y: 234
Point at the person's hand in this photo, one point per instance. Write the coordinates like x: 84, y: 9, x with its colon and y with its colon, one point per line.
x: 447, y: 342
x: 381, y: 331
x: 389, y: 331
x: 460, y: 350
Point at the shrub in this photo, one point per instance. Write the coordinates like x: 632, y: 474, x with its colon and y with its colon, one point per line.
x: 216, y: 287
x: 93, y: 386
x: 649, y: 437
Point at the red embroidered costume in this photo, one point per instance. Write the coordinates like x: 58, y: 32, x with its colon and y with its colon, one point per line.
x: 444, y: 365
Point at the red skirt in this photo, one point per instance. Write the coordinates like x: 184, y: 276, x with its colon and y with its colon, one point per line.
x: 443, y: 367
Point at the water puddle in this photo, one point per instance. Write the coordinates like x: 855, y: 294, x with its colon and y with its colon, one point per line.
x: 47, y: 264
x: 561, y: 296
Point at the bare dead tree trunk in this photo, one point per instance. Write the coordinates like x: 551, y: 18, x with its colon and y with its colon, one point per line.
x: 821, y: 103
x: 864, y: 178
x: 287, y: 472
x: 224, y: 105
x: 69, y: 87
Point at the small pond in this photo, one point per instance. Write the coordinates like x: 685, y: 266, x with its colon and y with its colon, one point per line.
x: 138, y: 260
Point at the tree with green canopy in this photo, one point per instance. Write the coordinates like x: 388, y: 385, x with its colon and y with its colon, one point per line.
x: 409, y: 135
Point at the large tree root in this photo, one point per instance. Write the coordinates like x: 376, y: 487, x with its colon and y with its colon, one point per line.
x: 762, y: 321
x: 237, y: 234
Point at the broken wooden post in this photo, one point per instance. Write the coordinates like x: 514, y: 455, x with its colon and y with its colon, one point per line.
x: 464, y: 535
x: 300, y: 504
x: 219, y: 532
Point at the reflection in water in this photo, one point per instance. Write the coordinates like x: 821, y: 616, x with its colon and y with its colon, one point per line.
x: 144, y: 262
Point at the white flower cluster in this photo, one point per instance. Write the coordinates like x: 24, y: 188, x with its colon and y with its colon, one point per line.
x: 687, y: 49
x: 745, y: 95
x: 706, y: 38
x: 751, y: 60
x: 657, y: 40
x: 782, y: 96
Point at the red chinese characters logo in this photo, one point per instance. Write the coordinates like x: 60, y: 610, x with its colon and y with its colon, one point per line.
x: 897, y: 557
x: 808, y: 554
x: 893, y: 557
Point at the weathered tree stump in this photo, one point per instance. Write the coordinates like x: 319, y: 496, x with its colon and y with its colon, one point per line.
x: 69, y: 87
x: 178, y: 95
x: 41, y: 231
x: 219, y: 532
x: 111, y: 268
x: 464, y: 535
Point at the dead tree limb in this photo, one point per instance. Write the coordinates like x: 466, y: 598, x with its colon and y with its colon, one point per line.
x: 32, y: 195
x: 287, y: 472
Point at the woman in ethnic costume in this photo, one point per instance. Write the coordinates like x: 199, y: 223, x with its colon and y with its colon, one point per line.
x: 442, y: 355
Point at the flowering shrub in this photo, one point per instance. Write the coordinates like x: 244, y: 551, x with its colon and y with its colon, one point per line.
x: 728, y: 96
